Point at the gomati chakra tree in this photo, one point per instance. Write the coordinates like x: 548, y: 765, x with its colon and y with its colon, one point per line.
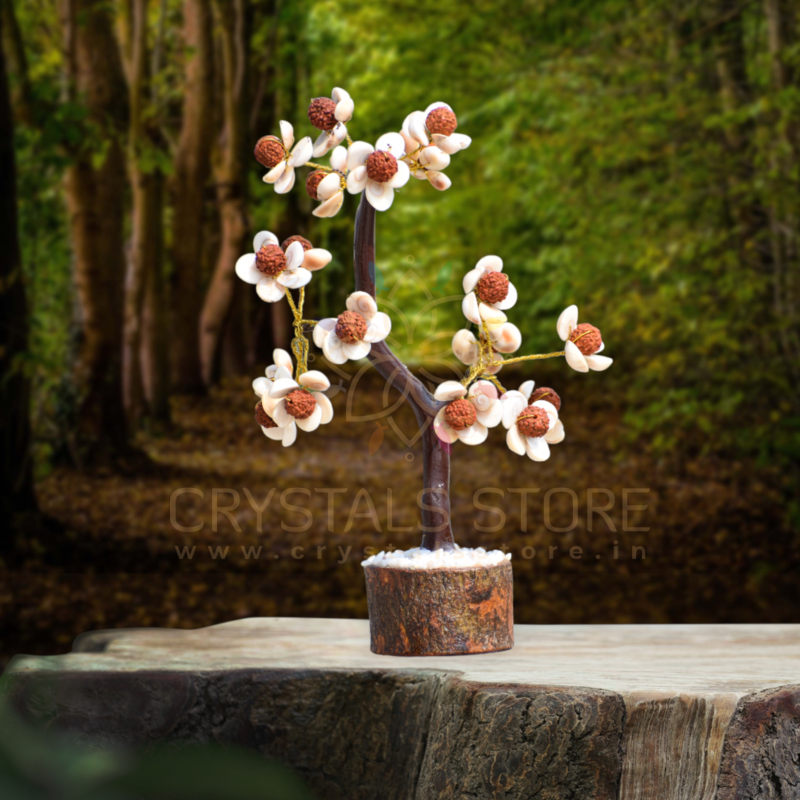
x: 438, y: 598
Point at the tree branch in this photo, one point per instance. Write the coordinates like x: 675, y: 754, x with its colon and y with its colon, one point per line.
x: 435, y: 498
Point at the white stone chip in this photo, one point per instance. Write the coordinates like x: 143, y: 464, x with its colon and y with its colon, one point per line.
x: 418, y: 558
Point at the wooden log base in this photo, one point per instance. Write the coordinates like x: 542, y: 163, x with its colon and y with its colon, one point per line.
x: 440, y: 612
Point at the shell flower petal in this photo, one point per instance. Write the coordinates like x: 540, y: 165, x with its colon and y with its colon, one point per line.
x: 282, y: 358
x: 362, y: 303
x: 311, y: 423
x: 379, y: 328
x: 442, y: 429
x: 280, y: 416
x: 357, y: 350
x: 262, y: 238
x: 392, y: 143
x: 507, y: 338
x: 261, y: 386
x: 537, y: 449
x: 246, y: 269
x: 276, y: 173
x: 330, y: 184
x: 416, y: 127
x: 556, y: 433
x: 434, y: 158
x: 510, y: 299
x: 490, y: 264
x: 471, y: 280
x: 493, y: 416
x: 492, y: 317
x: 330, y: 208
x: 286, y: 181
x: 282, y: 387
x: 465, y: 346
x: 344, y: 108
x: 567, y: 320
x: 379, y: 195
x: 314, y: 379
x: 302, y: 152
x: 575, y: 358
x: 475, y: 434
x: 269, y: 290
x: 338, y: 160
x: 276, y: 434
x: 357, y: 154
x: 515, y: 441
x: 598, y: 363
x: 438, y: 180
x: 513, y: 402
x: 299, y: 277
x: 447, y: 144
x: 527, y: 389
x: 450, y: 390
x: 316, y: 258
x: 289, y: 435
x: 327, y: 408
x: 287, y: 134
x: 401, y: 177
x: 322, y: 329
x: 332, y: 349
x: 469, y: 306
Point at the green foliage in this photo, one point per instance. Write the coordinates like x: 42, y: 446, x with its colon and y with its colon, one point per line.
x: 36, y: 766
x: 602, y: 172
x: 609, y: 167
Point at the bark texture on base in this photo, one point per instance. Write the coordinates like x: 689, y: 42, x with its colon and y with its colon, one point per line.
x: 355, y: 735
x: 761, y: 756
x: 523, y: 742
x: 434, y: 612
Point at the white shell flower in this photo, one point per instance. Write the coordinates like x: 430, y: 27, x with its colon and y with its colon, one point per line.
x: 331, y: 188
x: 566, y: 324
x: 487, y: 408
x: 281, y: 369
x: 482, y: 313
x: 343, y: 113
x: 363, y: 174
x: 507, y: 338
x: 313, y: 383
x: 415, y: 126
x: 536, y: 447
x: 484, y: 267
x: 299, y: 264
x: 376, y: 324
x: 282, y: 175
x: 465, y: 347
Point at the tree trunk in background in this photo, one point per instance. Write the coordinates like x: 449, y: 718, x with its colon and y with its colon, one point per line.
x: 230, y: 175
x: 145, y: 266
x: 192, y: 168
x: 781, y: 34
x: 95, y: 191
x: 16, y: 494
x: 16, y: 64
x: 155, y: 315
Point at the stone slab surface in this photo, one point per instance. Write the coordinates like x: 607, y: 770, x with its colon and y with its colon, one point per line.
x: 678, y: 712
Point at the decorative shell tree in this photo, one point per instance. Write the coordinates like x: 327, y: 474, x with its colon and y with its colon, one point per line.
x: 438, y: 598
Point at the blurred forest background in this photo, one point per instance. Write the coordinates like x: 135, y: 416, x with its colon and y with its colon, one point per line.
x: 637, y: 157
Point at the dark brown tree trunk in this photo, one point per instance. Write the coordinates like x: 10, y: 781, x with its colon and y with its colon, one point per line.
x: 155, y: 315
x: 16, y: 494
x: 95, y: 185
x: 192, y: 168
x: 435, y: 496
x: 145, y: 360
x: 231, y: 182
x: 16, y: 64
x: 781, y: 35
